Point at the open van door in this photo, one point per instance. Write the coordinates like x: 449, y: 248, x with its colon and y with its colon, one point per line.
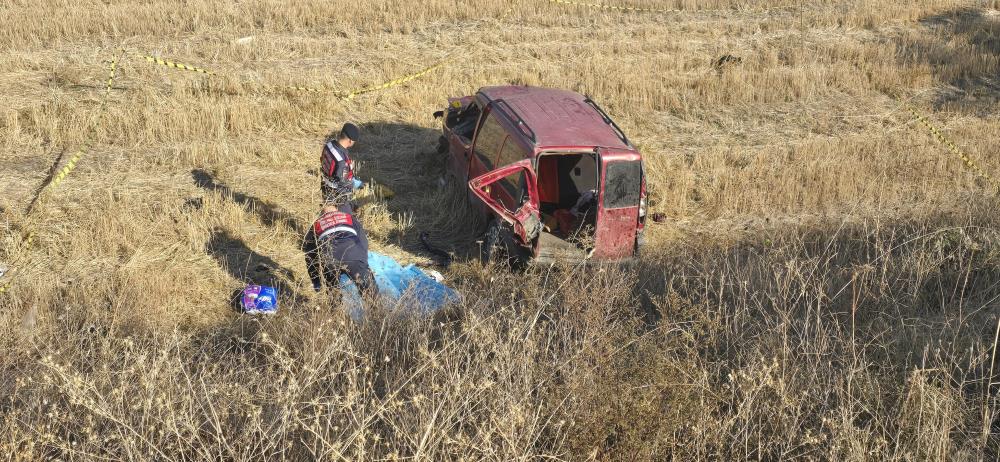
x: 517, y: 202
x: 620, y: 199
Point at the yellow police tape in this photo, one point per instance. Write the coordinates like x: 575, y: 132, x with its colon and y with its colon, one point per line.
x: 955, y: 150
x: 183, y: 67
x: 311, y: 90
x: 615, y: 7
x: 398, y: 81
x: 338, y: 93
x: 29, y: 240
x: 90, y: 141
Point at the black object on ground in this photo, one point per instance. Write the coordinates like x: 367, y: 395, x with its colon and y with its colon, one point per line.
x: 443, y: 258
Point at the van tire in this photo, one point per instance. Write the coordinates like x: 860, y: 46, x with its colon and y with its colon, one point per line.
x: 492, y: 249
x: 442, y: 146
x: 499, y: 248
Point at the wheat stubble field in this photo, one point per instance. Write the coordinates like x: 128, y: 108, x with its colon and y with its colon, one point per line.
x: 825, y: 284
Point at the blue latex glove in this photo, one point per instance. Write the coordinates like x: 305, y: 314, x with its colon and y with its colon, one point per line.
x: 357, y: 183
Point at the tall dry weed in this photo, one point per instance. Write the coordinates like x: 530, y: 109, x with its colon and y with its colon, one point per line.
x: 825, y: 285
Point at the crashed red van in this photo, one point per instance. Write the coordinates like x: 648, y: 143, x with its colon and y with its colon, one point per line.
x: 555, y: 177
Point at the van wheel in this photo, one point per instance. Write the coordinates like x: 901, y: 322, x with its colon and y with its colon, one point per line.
x: 493, y: 249
x: 442, y: 145
x: 499, y: 248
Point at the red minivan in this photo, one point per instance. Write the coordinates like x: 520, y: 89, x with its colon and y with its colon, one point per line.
x: 555, y: 177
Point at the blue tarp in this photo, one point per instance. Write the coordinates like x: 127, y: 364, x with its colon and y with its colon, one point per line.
x: 424, y: 294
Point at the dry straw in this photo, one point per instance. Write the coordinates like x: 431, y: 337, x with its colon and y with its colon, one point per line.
x: 824, y: 286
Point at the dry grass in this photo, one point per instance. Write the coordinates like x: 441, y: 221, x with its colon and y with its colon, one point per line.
x: 825, y: 287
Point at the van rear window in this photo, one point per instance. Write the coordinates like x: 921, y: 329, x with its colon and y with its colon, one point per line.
x: 621, y: 184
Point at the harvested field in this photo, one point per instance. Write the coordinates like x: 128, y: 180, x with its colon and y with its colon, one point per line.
x: 825, y: 285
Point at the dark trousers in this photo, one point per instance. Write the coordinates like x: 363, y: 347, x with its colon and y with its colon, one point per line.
x: 347, y: 256
x: 340, y: 197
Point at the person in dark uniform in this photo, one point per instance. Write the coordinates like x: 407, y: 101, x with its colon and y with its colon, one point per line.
x: 336, y: 244
x: 337, y: 185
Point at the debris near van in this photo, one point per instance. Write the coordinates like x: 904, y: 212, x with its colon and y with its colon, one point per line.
x: 441, y: 257
x: 552, y: 174
x: 424, y: 292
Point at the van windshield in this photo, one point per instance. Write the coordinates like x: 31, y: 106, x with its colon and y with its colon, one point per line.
x: 622, y: 183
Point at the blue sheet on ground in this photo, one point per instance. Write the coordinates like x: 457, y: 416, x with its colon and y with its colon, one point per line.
x: 394, y: 281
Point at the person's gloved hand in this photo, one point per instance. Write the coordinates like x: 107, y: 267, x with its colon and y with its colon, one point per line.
x: 357, y: 183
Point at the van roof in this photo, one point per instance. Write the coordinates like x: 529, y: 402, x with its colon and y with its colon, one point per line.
x: 558, y: 118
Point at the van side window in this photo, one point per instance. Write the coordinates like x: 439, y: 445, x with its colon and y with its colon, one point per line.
x: 512, y: 152
x: 488, y: 141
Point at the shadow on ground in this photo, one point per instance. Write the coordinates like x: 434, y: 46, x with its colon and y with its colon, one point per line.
x: 270, y: 214
x: 962, y: 46
x: 250, y: 267
x: 404, y: 158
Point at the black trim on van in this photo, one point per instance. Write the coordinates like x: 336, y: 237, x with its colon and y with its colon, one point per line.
x: 607, y: 120
x: 519, y: 121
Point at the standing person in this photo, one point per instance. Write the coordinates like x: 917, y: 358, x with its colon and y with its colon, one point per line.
x: 337, y: 167
x: 336, y: 244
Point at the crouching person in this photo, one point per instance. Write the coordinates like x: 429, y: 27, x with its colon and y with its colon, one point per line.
x: 336, y: 244
x: 338, y: 181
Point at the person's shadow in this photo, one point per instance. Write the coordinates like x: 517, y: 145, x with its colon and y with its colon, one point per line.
x: 961, y: 46
x: 270, y: 214
x: 403, y: 157
x: 246, y: 265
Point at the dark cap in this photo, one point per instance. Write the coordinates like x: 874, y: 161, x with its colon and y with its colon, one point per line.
x: 351, y: 131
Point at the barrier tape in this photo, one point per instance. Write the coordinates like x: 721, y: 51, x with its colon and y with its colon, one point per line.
x: 183, y: 67
x: 339, y: 93
x: 29, y: 240
x: 615, y: 7
x: 310, y: 89
x: 88, y: 144
x: 186, y: 67
x: 398, y: 81
x: 955, y: 150
x: 392, y: 83
x: 90, y: 141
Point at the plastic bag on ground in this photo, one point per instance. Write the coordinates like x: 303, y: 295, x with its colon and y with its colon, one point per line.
x: 394, y: 281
